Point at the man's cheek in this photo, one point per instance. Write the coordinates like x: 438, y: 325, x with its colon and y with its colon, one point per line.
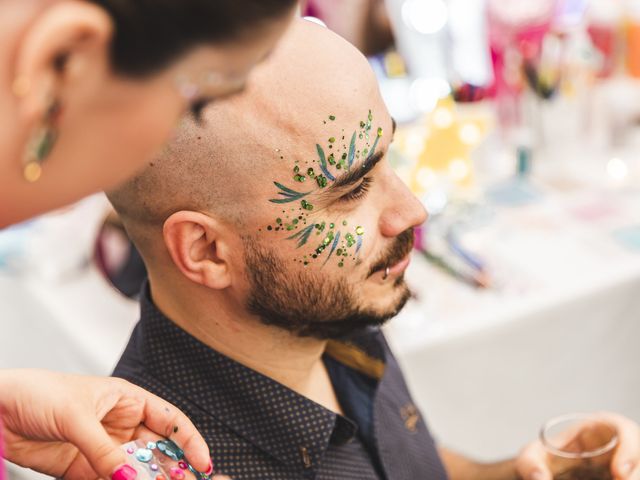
x: 328, y: 242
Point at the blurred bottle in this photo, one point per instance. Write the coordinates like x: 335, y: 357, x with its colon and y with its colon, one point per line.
x: 517, y: 29
x: 605, y: 19
x: 633, y: 37
x: 519, y: 25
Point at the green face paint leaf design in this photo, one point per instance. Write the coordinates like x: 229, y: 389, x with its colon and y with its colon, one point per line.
x: 336, y: 240
x: 352, y: 150
x: 375, y: 145
x: 359, y: 242
x: 287, y: 190
x: 323, y: 164
x: 289, y: 194
x: 303, y: 235
x: 339, y: 242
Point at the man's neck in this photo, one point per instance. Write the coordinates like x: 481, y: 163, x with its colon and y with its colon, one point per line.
x: 228, y: 329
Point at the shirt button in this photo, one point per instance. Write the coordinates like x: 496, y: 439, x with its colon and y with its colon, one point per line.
x: 306, y: 457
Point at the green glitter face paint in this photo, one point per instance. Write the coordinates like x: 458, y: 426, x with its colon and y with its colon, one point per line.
x: 336, y: 238
x: 322, y: 181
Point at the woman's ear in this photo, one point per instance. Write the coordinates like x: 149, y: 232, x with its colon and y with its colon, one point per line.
x: 193, y: 240
x: 66, y: 47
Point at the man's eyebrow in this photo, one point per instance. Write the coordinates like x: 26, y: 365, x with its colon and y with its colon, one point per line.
x: 357, y: 172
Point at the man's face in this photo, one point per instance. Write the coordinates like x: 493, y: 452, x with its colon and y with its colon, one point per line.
x: 334, y: 229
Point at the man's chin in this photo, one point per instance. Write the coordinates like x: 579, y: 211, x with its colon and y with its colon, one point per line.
x: 392, y: 301
x: 373, y: 316
x: 397, y: 299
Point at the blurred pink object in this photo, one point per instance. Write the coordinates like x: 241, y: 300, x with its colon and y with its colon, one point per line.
x: 520, y: 20
x: 516, y: 31
x: 605, y: 21
x: 310, y: 10
x: 346, y: 18
x: 420, y: 237
x: 2, y: 477
x: 604, y: 38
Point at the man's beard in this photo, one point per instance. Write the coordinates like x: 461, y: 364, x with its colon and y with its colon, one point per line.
x: 311, y: 304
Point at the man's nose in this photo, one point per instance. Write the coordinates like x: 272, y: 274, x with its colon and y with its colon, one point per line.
x: 402, y: 210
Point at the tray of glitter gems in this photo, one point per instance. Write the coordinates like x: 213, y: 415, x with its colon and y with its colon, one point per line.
x: 161, y: 460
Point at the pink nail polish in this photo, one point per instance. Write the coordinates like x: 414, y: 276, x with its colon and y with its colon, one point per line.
x: 210, y: 469
x: 2, y: 474
x: 125, y: 472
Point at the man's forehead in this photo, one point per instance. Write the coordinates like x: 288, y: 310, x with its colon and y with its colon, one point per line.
x: 330, y: 135
x: 315, y: 88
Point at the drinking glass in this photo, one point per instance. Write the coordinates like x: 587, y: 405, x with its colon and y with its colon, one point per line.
x: 579, y: 446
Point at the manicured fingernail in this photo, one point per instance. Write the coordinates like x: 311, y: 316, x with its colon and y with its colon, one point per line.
x: 626, y: 468
x: 210, y: 469
x: 125, y: 472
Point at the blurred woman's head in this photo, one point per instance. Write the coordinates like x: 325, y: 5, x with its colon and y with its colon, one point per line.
x: 90, y: 89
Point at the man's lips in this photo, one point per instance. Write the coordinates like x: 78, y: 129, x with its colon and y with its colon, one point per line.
x: 400, y: 267
x: 396, y: 269
x: 397, y: 258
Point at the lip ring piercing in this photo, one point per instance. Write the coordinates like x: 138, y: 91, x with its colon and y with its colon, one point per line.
x: 387, y: 271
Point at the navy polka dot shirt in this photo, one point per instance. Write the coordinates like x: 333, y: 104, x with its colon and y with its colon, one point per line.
x: 257, y: 428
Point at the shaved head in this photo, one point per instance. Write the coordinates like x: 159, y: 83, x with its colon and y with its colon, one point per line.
x: 220, y: 162
x: 279, y: 203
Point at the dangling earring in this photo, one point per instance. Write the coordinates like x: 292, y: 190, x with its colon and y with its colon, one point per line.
x: 41, y: 143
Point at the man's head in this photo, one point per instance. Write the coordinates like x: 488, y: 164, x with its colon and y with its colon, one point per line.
x: 281, y: 201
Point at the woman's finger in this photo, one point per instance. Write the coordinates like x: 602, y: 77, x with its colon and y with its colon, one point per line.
x: 167, y: 421
x: 102, y: 453
x: 532, y: 463
x: 627, y: 455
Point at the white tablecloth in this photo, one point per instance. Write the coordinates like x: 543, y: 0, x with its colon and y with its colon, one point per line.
x: 560, y: 335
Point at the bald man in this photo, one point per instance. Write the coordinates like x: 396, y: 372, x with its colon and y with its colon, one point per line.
x: 276, y: 237
x: 273, y: 229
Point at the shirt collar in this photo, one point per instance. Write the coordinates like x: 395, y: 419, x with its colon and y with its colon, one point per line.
x: 251, y: 402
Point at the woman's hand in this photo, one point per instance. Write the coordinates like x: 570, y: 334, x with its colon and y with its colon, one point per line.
x: 71, y: 426
x: 533, y: 462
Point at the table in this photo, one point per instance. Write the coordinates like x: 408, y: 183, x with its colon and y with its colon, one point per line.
x: 488, y: 368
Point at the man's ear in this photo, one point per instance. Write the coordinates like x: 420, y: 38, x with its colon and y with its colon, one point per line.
x: 193, y: 241
x: 66, y: 48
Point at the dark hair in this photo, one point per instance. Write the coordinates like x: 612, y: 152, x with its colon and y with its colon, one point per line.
x: 150, y: 34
